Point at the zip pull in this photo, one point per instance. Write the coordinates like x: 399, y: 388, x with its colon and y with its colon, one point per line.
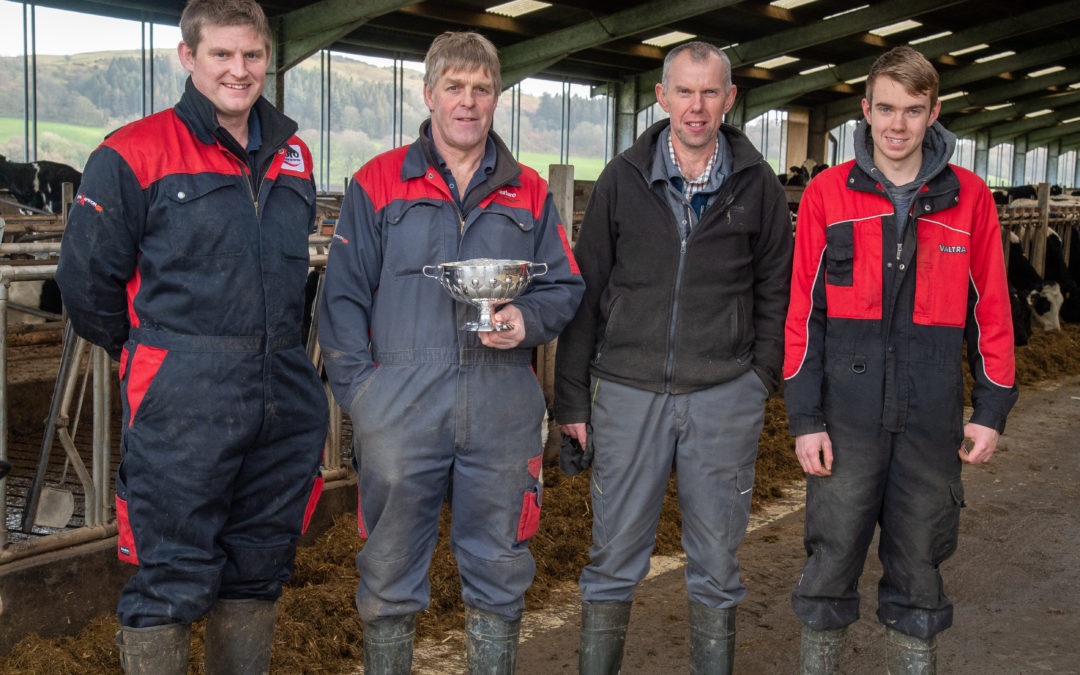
x: 899, y: 250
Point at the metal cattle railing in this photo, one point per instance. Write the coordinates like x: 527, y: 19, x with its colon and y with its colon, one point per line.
x: 81, y: 364
x: 1032, y: 224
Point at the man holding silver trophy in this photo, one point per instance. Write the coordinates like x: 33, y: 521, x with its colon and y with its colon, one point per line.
x: 444, y: 407
x: 686, y: 253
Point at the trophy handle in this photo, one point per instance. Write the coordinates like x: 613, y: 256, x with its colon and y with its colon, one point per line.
x: 437, y: 274
x: 533, y: 266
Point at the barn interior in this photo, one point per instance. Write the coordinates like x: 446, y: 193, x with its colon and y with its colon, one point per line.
x: 1010, y: 89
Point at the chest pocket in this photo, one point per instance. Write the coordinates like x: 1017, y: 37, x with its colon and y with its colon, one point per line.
x: 419, y: 232
x: 943, y: 261
x: 853, y: 269
x: 205, y: 215
x: 840, y: 254
x: 502, y: 232
x: 290, y: 211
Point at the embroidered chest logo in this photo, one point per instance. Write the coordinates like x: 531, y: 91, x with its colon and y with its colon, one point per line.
x: 294, y: 160
x: 507, y: 195
x: 952, y: 249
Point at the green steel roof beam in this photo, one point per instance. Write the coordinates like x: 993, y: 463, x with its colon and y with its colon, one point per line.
x: 967, y: 124
x: 840, y: 111
x: 860, y: 21
x: 1012, y: 89
x: 1034, y: 126
x: 777, y: 94
x: 304, y: 31
x: 522, y: 59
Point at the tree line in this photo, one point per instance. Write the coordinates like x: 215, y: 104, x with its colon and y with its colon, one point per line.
x: 104, y: 90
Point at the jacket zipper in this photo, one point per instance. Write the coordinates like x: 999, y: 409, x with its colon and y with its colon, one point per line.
x: 669, y: 368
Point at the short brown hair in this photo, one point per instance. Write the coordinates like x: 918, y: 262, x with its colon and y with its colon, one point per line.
x: 910, y: 68
x: 699, y: 51
x: 199, y: 13
x: 461, y: 50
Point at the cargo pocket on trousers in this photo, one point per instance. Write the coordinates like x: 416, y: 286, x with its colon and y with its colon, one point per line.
x: 125, y: 542
x: 949, y: 532
x: 531, y: 501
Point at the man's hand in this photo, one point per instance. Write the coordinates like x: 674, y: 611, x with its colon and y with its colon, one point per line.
x: 576, y: 430
x: 984, y: 442
x: 815, y: 453
x: 505, y: 339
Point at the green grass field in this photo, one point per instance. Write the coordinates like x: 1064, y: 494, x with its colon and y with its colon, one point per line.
x: 11, y: 136
x: 585, y: 168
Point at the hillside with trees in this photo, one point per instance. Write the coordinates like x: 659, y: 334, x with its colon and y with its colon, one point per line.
x: 82, y: 97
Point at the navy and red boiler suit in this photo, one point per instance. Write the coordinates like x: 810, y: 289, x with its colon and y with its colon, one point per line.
x: 873, y: 351
x: 437, y: 416
x: 189, y: 268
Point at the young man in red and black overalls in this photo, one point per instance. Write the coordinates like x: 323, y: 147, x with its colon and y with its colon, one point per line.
x: 898, y: 264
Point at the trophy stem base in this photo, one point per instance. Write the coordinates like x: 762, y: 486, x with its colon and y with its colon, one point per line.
x: 479, y: 327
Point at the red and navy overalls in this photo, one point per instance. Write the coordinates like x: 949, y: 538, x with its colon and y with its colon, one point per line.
x: 189, y: 268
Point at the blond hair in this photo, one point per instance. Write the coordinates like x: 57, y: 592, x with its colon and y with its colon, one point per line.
x: 461, y: 50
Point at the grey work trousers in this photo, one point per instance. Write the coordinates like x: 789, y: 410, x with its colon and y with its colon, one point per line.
x: 711, y: 438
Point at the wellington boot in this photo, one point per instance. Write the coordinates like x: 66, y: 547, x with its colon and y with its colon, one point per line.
x: 490, y: 642
x: 907, y: 655
x: 821, y: 651
x: 239, y: 634
x: 603, y: 634
x: 157, y: 650
x: 388, y: 645
x: 712, y: 640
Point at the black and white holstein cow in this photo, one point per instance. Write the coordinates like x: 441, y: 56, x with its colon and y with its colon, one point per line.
x: 1051, y: 298
x: 38, y: 185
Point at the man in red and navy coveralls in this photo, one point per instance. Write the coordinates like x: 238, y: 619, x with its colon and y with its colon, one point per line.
x: 185, y: 257
x: 439, y: 413
x: 898, y: 263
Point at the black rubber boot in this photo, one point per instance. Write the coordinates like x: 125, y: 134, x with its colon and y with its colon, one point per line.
x: 388, y: 645
x: 603, y: 634
x: 490, y: 642
x: 239, y: 634
x: 821, y: 651
x: 907, y: 655
x: 712, y: 640
x: 157, y: 650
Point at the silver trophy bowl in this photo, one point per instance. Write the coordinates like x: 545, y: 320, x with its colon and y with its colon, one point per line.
x: 483, y: 281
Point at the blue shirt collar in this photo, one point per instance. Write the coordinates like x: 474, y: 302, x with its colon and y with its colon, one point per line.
x: 254, y: 132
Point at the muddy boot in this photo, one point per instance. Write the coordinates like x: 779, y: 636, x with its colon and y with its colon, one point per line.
x: 157, y: 650
x: 490, y: 642
x: 712, y: 640
x: 603, y: 634
x: 388, y: 645
x: 907, y: 655
x: 821, y: 651
x: 239, y: 634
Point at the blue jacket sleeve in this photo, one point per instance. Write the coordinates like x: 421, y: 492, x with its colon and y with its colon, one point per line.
x: 550, y: 301
x: 352, y: 275
x: 100, y: 250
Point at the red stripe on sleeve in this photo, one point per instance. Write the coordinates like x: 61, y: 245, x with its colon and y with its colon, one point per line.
x: 569, y: 253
